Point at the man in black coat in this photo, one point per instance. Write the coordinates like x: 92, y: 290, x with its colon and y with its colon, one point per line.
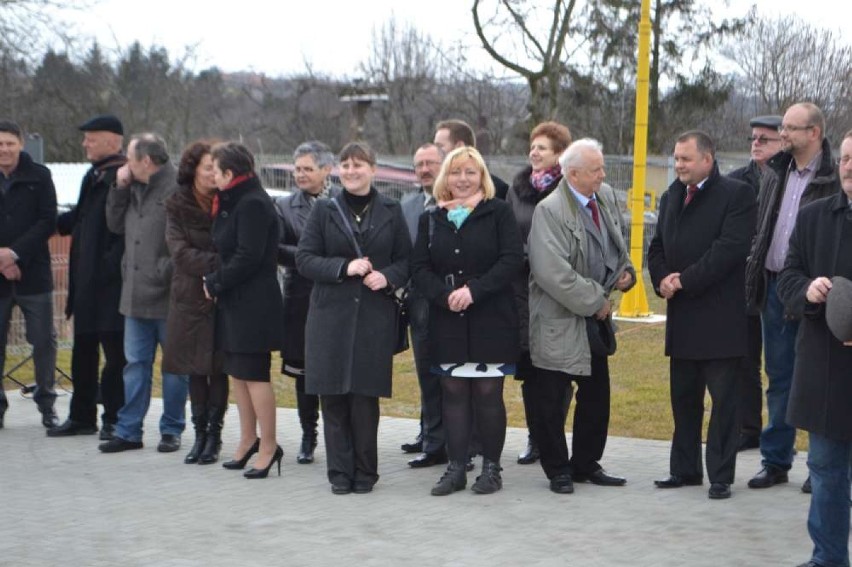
x: 27, y: 219
x: 427, y: 165
x: 697, y: 262
x: 821, y: 394
x: 95, y: 287
x: 765, y: 143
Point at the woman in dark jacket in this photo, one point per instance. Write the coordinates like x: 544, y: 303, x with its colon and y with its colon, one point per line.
x: 467, y: 255
x: 190, y: 325
x: 355, y: 248
x: 249, y: 309
x: 535, y: 182
x: 313, y: 162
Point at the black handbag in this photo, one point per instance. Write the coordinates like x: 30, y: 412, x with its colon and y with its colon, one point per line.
x: 601, y: 336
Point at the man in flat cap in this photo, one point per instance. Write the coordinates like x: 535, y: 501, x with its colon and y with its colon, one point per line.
x: 95, y: 286
x: 800, y: 174
x: 27, y: 219
x: 821, y: 394
x: 765, y: 143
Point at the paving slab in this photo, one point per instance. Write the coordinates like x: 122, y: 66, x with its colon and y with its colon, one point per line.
x: 62, y: 502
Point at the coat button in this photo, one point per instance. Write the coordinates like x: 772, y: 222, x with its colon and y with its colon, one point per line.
x: 357, y: 300
x: 456, y: 250
x: 461, y: 272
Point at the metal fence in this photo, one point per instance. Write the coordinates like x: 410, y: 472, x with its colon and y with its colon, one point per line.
x: 396, y: 178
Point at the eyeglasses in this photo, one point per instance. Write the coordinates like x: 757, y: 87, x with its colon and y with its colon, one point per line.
x: 790, y: 128
x: 844, y: 161
x: 762, y: 140
x: 426, y: 163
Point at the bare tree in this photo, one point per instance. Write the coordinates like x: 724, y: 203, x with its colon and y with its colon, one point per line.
x: 508, y: 26
x: 784, y: 61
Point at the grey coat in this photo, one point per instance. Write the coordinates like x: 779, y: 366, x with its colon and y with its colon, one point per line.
x: 139, y: 213
x: 562, y: 294
x: 351, y: 330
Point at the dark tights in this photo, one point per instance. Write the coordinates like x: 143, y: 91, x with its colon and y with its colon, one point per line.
x: 209, y: 391
x: 474, y: 399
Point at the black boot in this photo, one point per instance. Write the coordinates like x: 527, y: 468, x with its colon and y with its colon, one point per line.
x: 308, y: 406
x: 530, y: 454
x: 454, y: 479
x: 199, y: 421
x: 215, y: 422
x: 490, y: 480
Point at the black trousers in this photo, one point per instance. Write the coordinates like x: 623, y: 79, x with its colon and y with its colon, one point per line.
x: 750, y: 386
x: 549, y: 390
x: 350, y: 427
x: 85, y: 364
x: 689, y: 378
x: 431, y: 421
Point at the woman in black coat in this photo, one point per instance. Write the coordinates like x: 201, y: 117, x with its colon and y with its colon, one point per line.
x: 355, y: 248
x: 313, y: 162
x: 535, y: 182
x: 467, y: 255
x: 190, y: 324
x: 249, y: 309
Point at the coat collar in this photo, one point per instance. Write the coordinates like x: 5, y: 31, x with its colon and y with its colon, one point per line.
x: 524, y: 189
x: 825, y: 173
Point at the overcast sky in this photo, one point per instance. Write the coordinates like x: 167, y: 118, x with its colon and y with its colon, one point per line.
x: 333, y: 36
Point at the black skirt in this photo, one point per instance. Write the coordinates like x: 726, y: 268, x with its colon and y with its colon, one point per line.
x: 252, y: 366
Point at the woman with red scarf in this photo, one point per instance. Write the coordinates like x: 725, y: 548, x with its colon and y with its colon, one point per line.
x: 249, y: 307
x: 532, y: 184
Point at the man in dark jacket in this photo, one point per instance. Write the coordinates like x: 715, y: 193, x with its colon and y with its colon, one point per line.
x: 765, y: 143
x: 802, y: 173
x: 821, y: 394
x: 27, y: 219
x: 427, y: 165
x: 135, y: 209
x: 95, y: 287
x: 697, y: 262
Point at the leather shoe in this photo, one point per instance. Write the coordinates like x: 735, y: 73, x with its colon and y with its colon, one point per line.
x: 415, y: 447
x: 168, y: 443
x: 719, y: 491
x: 562, y: 484
x: 749, y: 442
x: 341, y: 487
x: 71, y: 427
x: 530, y: 454
x: 470, y: 464
x: 675, y: 481
x: 806, y: 486
x: 362, y: 486
x: 3, y: 407
x: 600, y: 478
x: 428, y: 459
x: 107, y: 432
x: 768, y: 476
x: 810, y: 564
x: 49, y: 419
x: 117, y: 445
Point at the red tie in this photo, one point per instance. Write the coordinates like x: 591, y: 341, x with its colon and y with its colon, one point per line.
x: 593, y: 206
x: 690, y: 193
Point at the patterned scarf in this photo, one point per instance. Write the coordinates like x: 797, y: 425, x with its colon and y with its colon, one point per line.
x: 459, y: 209
x: 541, y: 180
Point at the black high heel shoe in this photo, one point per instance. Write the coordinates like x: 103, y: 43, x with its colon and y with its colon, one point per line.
x: 263, y: 473
x: 238, y: 464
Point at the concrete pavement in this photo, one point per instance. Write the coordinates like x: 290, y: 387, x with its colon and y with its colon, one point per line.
x: 62, y: 502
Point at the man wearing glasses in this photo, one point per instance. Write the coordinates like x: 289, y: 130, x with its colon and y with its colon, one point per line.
x: 765, y: 143
x: 801, y: 174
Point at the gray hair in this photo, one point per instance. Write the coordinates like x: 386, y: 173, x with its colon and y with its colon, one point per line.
x: 321, y: 153
x: 151, y: 145
x: 429, y: 146
x: 574, y: 155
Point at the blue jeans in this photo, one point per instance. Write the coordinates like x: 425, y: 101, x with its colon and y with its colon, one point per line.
x: 829, y: 463
x: 141, y: 337
x: 779, y: 353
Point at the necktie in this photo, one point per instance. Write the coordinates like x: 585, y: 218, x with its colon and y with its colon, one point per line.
x: 690, y: 193
x: 593, y: 206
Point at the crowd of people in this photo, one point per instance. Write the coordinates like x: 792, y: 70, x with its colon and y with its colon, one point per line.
x: 492, y: 279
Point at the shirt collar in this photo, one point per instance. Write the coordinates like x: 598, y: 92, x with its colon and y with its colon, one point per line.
x: 582, y: 199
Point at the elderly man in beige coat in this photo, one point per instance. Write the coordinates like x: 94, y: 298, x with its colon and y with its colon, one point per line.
x: 577, y: 257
